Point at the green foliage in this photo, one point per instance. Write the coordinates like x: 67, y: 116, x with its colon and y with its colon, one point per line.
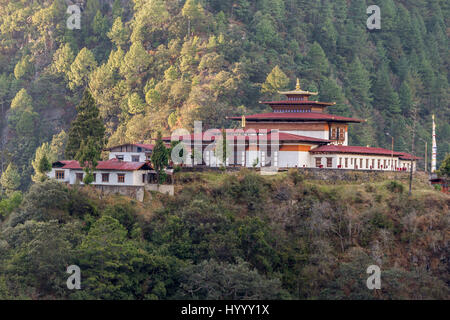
x: 83, y: 65
x: 42, y: 162
x: 86, y: 136
x: 24, y: 68
x: 395, y: 186
x: 10, y: 204
x: 444, y: 169
x: 275, y: 81
x: 212, y: 280
x: 160, y: 158
x: 10, y: 179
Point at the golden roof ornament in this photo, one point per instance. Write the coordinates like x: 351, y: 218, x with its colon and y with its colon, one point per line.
x: 298, y: 91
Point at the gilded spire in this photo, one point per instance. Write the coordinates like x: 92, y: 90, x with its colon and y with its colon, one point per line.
x: 298, y: 91
x: 297, y: 87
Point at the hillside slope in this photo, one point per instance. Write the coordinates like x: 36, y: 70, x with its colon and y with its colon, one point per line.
x: 230, y: 236
x: 158, y: 65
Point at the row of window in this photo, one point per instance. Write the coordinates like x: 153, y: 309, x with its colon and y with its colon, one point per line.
x: 301, y: 98
x: 319, y: 162
x: 369, y: 163
x: 133, y: 158
x: 337, y: 134
x: 60, y: 175
x: 359, y: 163
x: 292, y: 110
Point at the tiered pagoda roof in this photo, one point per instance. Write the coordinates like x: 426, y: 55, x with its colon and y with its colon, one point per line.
x: 297, y: 107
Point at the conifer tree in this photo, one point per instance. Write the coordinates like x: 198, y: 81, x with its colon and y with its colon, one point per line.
x: 87, y: 125
x: 10, y: 179
x: 316, y: 63
x: 160, y: 158
x: 275, y: 81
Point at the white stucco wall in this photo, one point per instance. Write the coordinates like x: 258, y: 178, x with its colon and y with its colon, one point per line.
x: 314, y: 134
x: 132, y: 178
x: 127, y: 156
x: 353, y: 165
x: 52, y: 174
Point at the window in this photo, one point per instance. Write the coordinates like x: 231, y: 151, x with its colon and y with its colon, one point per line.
x: 143, y: 178
x: 135, y: 158
x: 94, y: 175
x: 367, y: 163
x: 59, y: 175
x: 384, y: 164
x: 333, y: 134
x: 329, y: 162
x: 373, y: 163
x: 121, y: 178
x: 360, y: 163
x: 318, y: 162
x: 78, y: 177
x: 139, y: 149
x: 379, y: 162
x: 340, y: 161
x: 346, y: 162
x: 341, y: 134
x: 351, y: 161
x: 105, y: 177
x: 119, y: 157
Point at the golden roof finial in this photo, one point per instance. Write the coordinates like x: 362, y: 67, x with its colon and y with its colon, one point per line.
x: 243, y: 121
x: 297, y: 87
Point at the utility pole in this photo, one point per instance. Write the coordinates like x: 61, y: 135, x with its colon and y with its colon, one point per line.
x: 412, y: 147
x: 426, y: 154
x: 392, y: 151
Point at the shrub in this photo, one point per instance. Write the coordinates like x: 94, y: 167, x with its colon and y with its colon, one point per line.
x: 395, y: 186
x: 296, y: 176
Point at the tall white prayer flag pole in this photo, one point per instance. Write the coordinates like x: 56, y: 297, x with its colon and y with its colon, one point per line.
x: 434, y: 149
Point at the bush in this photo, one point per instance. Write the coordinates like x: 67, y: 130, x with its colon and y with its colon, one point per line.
x: 394, y: 186
x: 296, y: 176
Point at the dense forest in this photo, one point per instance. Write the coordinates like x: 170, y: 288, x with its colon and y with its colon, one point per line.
x: 152, y: 66
x: 230, y: 236
x: 156, y: 65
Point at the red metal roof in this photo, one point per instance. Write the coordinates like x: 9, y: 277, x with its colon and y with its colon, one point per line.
x: 360, y: 150
x: 112, y: 164
x: 407, y: 156
x: 232, y: 135
x: 298, y: 102
x: 305, y: 116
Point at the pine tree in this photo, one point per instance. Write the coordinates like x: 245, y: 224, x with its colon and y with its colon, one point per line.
x: 317, y: 64
x: 81, y: 68
x: 195, y: 14
x: 10, y: 179
x: 385, y: 97
x: 118, y: 34
x: 358, y: 84
x: 42, y: 162
x: 160, y: 158
x: 275, y: 81
x: 331, y: 92
x: 87, y: 125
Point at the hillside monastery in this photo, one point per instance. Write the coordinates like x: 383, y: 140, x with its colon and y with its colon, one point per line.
x: 298, y: 133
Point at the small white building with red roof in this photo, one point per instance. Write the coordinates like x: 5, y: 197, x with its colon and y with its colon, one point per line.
x: 113, y: 172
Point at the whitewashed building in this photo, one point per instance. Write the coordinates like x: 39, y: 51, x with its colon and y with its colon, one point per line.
x: 131, y: 152
x: 108, y: 173
x: 306, y: 137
